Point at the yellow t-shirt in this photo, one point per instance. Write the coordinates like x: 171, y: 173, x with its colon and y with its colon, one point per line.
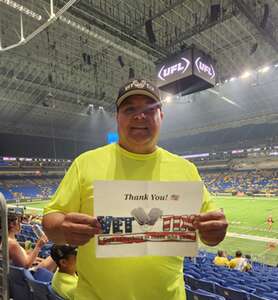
x: 238, y: 263
x: 221, y: 261
x: 136, y: 278
x: 64, y: 285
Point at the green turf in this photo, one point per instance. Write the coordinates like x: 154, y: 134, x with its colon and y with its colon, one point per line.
x: 246, y: 215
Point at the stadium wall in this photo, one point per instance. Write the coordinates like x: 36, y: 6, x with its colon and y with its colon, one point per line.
x: 42, y: 147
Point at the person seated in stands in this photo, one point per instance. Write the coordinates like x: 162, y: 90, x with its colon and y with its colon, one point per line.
x: 221, y: 259
x: 18, y: 255
x: 64, y: 281
x: 238, y: 263
x: 248, y: 266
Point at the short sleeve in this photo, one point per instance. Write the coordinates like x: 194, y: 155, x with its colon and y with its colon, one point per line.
x: 67, y: 197
x: 207, y: 205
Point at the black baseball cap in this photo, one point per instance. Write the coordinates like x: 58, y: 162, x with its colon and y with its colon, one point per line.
x: 138, y: 87
x: 58, y: 252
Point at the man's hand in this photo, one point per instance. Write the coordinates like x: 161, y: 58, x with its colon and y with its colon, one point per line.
x: 212, y: 227
x: 79, y: 228
x: 71, y: 228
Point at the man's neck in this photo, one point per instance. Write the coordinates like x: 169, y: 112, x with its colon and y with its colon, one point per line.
x: 138, y: 149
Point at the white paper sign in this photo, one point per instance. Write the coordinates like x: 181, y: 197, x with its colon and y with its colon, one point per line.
x: 146, y: 218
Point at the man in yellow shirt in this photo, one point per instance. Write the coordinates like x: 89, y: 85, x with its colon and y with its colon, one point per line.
x: 238, y: 263
x: 70, y: 218
x: 221, y: 259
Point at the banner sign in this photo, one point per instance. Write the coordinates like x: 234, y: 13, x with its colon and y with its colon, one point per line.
x: 146, y: 218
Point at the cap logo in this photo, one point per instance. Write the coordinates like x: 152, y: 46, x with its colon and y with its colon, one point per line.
x: 139, y: 85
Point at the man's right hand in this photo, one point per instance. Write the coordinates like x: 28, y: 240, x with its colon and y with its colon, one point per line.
x: 79, y: 228
x: 71, y: 228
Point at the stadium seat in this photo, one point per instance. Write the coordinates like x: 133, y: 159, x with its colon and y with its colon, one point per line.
x: 202, y: 295
x: 42, y: 274
x: 41, y: 290
x: 216, y: 280
x: 273, y: 285
x: 244, y: 287
x: 190, y: 280
x: 230, y: 282
x: 261, y: 288
x: 214, y: 274
x: 193, y: 273
x: 18, y: 284
x: 256, y: 297
x: 205, y: 285
x: 273, y: 296
x: 231, y: 293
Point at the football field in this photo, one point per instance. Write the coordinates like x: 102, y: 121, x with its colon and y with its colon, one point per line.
x: 248, y: 229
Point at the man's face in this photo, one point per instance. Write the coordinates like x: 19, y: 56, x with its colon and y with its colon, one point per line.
x: 139, y: 121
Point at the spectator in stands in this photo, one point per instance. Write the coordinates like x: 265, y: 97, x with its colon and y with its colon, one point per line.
x: 64, y: 281
x: 248, y: 266
x: 238, y: 263
x: 69, y: 217
x: 18, y: 255
x: 221, y: 259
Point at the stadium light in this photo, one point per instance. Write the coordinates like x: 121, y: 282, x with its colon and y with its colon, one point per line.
x: 264, y: 69
x: 168, y: 99
x: 232, y: 79
x: 245, y: 75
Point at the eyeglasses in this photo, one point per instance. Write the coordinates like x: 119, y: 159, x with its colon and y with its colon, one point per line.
x: 131, y: 110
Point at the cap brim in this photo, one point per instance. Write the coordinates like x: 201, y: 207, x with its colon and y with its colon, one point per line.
x: 121, y: 99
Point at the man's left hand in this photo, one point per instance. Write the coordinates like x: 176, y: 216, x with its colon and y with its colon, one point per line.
x: 212, y: 227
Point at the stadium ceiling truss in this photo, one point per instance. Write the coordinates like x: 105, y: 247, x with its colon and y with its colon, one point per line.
x: 88, y: 52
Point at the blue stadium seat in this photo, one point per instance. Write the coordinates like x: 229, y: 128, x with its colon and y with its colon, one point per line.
x: 190, y: 280
x: 42, y: 274
x: 230, y: 282
x: 202, y: 295
x: 273, y: 296
x: 261, y: 288
x: 273, y: 285
x: 18, y: 284
x: 193, y: 273
x: 214, y: 274
x: 256, y: 297
x: 231, y: 293
x: 244, y: 288
x: 216, y: 280
x: 205, y: 285
x: 41, y: 290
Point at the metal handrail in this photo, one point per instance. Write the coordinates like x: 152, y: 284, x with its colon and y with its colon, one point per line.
x: 4, y: 248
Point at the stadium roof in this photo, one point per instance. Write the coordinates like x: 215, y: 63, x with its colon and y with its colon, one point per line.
x: 55, y: 84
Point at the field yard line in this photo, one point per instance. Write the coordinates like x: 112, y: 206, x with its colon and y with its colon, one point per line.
x: 251, y: 237
x: 247, y: 198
